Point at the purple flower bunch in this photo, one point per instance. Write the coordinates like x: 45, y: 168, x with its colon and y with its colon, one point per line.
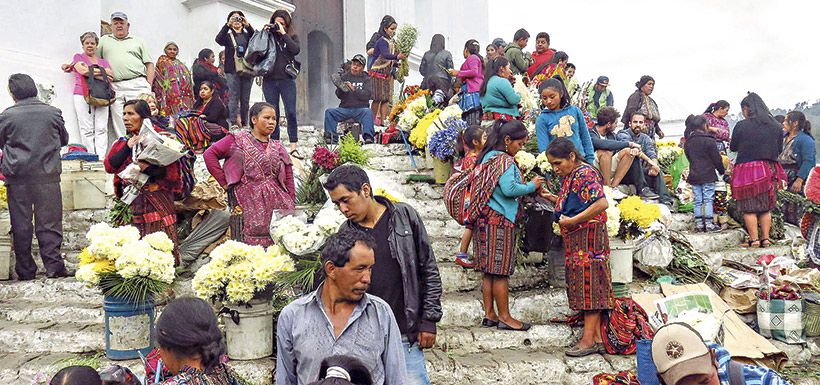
x: 442, y: 144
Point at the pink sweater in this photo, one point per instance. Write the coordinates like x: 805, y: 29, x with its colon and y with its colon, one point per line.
x: 230, y: 172
x: 472, y: 74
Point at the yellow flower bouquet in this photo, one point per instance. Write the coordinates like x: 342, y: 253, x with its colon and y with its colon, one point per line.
x: 123, y: 265
x: 636, y: 216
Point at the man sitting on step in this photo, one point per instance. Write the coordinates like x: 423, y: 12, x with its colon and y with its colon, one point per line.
x: 682, y: 358
x: 353, y: 88
x: 649, y: 155
x: 615, y: 158
x: 340, y: 317
x: 405, y: 274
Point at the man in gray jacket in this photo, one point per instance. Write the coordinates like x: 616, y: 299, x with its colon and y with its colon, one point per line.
x: 31, y: 134
x: 519, y: 60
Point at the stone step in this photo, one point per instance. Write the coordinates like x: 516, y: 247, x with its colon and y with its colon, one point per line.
x: 51, y: 337
x: 721, y: 240
x: 62, y: 290
x: 24, y: 311
x: 749, y: 255
x: 464, y: 340
x: 509, y: 366
x: 455, y: 278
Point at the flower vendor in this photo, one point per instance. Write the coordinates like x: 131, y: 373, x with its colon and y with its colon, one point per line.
x: 498, y: 98
x: 257, y: 174
x: 405, y: 275
x: 561, y: 119
x: 641, y: 101
x: 153, y: 208
x: 191, y: 346
x: 715, y: 115
x: 758, y: 140
x: 493, y: 211
x: 580, y: 210
x: 797, y: 159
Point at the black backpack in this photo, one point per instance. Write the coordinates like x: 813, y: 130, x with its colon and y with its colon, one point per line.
x: 100, y: 93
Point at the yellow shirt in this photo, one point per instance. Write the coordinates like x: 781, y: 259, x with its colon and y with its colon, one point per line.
x: 127, y: 56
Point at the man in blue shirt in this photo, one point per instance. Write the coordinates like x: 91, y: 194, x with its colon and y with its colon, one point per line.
x: 682, y: 358
x: 340, y: 318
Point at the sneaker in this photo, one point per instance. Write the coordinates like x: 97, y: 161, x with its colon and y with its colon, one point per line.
x: 711, y: 227
x: 617, y: 194
x: 647, y: 193
x: 464, y: 260
x: 368, y: 140
x: 699, y: 226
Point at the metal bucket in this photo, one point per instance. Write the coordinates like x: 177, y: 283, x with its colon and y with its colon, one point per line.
x: 620, y: 260
x: 129, y: 328
x: 251, y: 337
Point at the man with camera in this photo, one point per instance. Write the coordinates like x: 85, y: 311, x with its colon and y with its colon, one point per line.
x: 353, y: 89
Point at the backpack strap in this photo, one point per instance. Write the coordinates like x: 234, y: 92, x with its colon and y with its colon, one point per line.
x: 736, y: 373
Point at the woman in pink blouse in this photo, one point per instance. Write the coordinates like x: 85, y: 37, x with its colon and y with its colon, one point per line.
x: 257, y: 173
x: 715, y: 116
x: 93, y: 121
x: 472, y: 74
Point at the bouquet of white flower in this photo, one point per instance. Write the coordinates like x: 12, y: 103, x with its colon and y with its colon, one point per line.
x: 123, y: 265
x: 526, y: 162
x: 237, y: 272
x: 405, y: 41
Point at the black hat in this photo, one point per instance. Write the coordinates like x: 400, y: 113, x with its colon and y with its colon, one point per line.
x: 360, y: 58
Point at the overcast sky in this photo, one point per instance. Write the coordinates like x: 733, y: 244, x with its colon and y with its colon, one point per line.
x: 698, y: 51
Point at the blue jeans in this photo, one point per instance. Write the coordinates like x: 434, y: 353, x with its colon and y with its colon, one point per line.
x: 286, y: 88
x: 414, y: 361
x: 704, y: 198
x: 362, y: 115
x: 239, y: 96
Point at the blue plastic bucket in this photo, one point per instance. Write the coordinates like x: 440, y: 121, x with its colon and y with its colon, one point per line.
x: 647, y: 373
x: 129, y: 328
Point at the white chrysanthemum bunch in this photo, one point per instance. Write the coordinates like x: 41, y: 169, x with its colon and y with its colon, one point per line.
x: 525, y: 161
x: 237, y: 271
x: 613, y: 214
x: 413, y: 113
x: 543, y: 163
x: 106, y: 241
x: 329, y: 219
x: 528, y: 102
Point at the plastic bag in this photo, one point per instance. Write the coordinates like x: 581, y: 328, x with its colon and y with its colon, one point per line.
x: 259, y: 46
x: 656, y: 250
x: 676, y: 169
x: 157, y: 149
x: 265, y: 66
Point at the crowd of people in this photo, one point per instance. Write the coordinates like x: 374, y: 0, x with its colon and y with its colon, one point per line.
x: 381, y: 298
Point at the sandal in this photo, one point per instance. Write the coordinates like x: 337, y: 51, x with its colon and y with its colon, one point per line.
x: 752, y: 243
x: 578, y: 351
x: 765, y: 243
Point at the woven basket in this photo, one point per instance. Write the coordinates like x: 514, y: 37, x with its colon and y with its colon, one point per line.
x: 812, y: 317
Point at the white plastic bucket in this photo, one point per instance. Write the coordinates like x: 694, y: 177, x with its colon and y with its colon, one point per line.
x: 620, y: 260
x: 252, y: 337
x: 89, y: 189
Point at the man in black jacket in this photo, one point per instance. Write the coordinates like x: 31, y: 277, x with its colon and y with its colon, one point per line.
x: 31, y: 134
x: 353, y: 89
x: 405, y: 274
x: 613, y: 156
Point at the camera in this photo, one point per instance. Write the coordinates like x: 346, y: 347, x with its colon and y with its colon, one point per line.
x: 238, y: 18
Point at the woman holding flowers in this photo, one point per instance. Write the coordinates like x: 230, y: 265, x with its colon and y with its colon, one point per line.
x: 580, y: 210
x: 493, y: 210
x: 385, y: 57
x: 257, y: 173
x: 153, y: 209
x: 471, y: 74
x: 498, y: 98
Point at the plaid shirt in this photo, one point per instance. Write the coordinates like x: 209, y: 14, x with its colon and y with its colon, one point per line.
x: 752, y: 375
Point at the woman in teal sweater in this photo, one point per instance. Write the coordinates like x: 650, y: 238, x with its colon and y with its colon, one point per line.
x: 496, y: 192
x: 560, y: 119
x: 498, y: 98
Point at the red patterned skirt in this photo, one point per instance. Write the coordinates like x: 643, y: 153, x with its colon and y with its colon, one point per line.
x: 755, y: 185
x: 589, y: 280
x: 494, y: 243
x: 154, y: 211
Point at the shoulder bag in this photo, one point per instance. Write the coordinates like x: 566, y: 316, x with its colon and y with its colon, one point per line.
x: 242, y: 67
